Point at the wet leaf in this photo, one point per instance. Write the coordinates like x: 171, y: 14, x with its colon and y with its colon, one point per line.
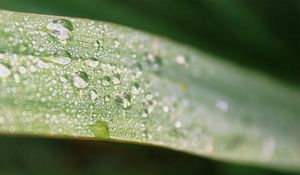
x: 68, y: 77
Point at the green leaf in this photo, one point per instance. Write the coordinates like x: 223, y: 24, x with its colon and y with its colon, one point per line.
x: 68, y: 77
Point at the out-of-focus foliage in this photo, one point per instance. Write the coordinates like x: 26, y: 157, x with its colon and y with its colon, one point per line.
x: 262, y: 34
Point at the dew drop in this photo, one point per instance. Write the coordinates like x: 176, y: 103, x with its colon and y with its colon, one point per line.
x: 60, y: 29
x: 63, y: 79
x: 80, y: 80
x: 32, y: 68
x: 155, y: 61
x: 4, y: 71
x: 60, y: 60
x: 22, y: 70
x: 16, y: 78
x: 124, y: 101
x: 135, y: 88
x: 106, y: 98
x: 180, y: 59
x: 41, y: 64
x: 93, y: 62
x: 178, y: 124
x: 166, y: 109
x: 93, y: 95
x: 100, y: 130
x: 106, y: 80
x: 116, y: 79
x: 222, y: 105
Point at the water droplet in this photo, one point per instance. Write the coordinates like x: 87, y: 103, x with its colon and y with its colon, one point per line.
x: 93, y: 62
x: 93, y: 95
x: 178, y: 124
x: 80, y: 80
x: 106, y: 98
x: 60, y: 60
x: 106, y: 80
x: 66, y: 23
x: 268, y: 148
x: 180, y: 59
x: 222, y: 105
x: 149, y: 97
x: 63, y: 58
x: 4, y: 71
x: 136, y: 69
x: 124, y: 101
x: 166, y: 109
x: 135, y: 88
x: 60, y: 29
x: 22, y: 70
x: 155, y: 61
x: 41, y: 64
x: 32, y: 68
x: 100, y: 130
x: 63, y: 79
x: 17, y: 78
x: 116, y: 79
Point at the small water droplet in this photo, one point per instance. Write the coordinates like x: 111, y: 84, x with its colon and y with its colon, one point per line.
x: 106, y: 80
x: 60, y: 60
x: 63, y: 58
x: 178, y: 124
x: 63, y: 79
x: 155, y: 61
x: 135, y: 88
x: 22, y: 70
x: 100, y: 130
x: 149, y: 97
x: 60, y: 29
x: 116, y: 79
x: 32, y: 68
x: 41, y: 64
x: 80, y: 80
x: 222, y: 105
x: 4, y: 71
x: 180, y: 59
x: 93, y: 95
x: 17, y: 78
x: 92, y: 62
x: 107, y: 98
x: 166, y: 109
x: 124, y: 101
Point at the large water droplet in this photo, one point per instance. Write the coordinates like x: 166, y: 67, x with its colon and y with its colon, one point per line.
x: 60, y: 29
x: 100, y: 130
x: 93, y: 62
x: 80, y: 80
x: 4, y: 71
x: 116, y: 79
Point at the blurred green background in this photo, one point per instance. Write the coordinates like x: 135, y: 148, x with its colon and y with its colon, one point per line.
x: 263, y: 35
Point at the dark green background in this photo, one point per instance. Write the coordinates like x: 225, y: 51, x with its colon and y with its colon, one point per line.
x: 256, y: 34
